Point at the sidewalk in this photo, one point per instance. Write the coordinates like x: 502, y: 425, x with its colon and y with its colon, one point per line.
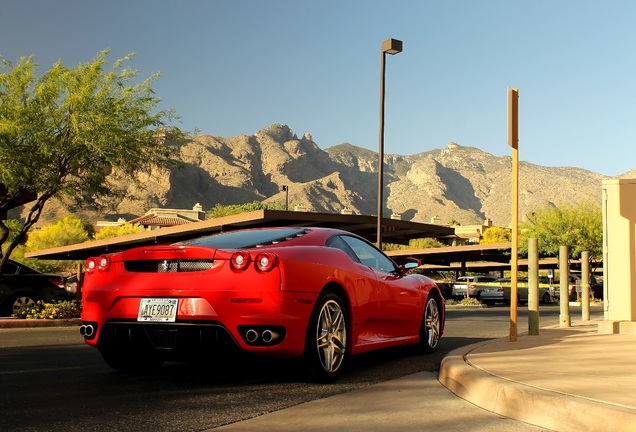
x: 564, y: 379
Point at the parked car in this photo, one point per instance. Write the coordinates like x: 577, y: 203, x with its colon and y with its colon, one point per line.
x: 21, y: 285
x: 443, y: 281
x: 313, y: 293
x: 473, y: 284
x: 71, y: 285
x: 502, y: 293
x: 575, y: 288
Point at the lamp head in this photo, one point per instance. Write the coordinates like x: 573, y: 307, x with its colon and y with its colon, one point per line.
x: 392, y: 46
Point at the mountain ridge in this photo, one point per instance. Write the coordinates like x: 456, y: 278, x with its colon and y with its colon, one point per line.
x: 455, y: 183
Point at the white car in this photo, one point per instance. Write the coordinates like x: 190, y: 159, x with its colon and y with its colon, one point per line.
x: 474, y: 285
x: 502, y: 292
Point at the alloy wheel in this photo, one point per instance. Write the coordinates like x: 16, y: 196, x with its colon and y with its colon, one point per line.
x: 331, y: 336
x: 432, y: 323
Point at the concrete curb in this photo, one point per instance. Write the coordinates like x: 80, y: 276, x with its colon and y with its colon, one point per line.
x: 548, y: 409
x: 29, y: 323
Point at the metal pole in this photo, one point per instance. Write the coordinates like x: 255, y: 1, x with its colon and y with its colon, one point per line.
x: 389, y: 46
x: 381, y: 150
x: 585, y: 286
x: 286, y: 197
x: 533, y: 286
x: 564, y: 295
x: 513, y: 141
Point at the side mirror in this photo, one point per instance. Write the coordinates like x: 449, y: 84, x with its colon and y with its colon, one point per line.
x: 410, y: 263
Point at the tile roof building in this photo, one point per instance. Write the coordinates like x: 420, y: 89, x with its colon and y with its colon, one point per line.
x: 156, y: 218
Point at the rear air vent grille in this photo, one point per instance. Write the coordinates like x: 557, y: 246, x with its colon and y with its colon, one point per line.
x: 168, y: 266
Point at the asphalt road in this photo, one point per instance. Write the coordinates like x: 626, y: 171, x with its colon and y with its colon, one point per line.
x: 51, y: 381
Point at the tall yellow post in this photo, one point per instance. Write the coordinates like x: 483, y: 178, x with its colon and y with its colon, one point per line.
x: 564, y: 295
x: 533, y: 286
x: 513, y: 141
x: 585, y: 286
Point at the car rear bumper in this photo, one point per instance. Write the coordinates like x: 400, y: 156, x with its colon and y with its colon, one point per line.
x: 274, y: 326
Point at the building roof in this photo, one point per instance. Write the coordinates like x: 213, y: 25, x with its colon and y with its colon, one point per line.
x: 156, y: 220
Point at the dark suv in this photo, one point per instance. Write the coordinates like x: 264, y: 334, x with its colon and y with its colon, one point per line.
x: 575, y: 289
x: 21, y: 285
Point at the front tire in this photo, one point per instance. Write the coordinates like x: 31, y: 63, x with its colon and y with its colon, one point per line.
x: 430, y: 332
x: 326, y: 348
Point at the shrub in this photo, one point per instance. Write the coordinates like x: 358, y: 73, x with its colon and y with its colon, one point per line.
x: 470, y: 301
x: 41, y: 310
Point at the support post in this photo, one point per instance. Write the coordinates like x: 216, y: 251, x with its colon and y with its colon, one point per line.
x: 533, y: 286
x: 564, y: 295
x: 585, y: 286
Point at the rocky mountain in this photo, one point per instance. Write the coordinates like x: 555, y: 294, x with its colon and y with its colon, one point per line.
x: 457, y: 183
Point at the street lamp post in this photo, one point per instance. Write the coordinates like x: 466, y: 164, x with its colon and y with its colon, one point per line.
x: 286, y: 189
x: 389, y: 46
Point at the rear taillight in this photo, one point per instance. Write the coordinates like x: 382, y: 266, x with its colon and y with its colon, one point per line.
x: 240, y: 260
x: 472, y: 286
x: 91, y: 265
x: 101, y: 263
x: 71, y: 288
x: 57, y: 281
x: 265, y: 261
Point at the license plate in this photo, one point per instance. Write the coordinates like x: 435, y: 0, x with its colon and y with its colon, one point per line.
x: 157, y: 310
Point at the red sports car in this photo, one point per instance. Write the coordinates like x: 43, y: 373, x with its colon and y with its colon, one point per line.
x: 317, y: 293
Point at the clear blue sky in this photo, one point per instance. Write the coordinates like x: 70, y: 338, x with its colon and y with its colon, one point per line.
x: 232, y: 67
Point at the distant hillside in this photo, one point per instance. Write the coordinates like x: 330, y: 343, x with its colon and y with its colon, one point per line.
x: 457, y: 183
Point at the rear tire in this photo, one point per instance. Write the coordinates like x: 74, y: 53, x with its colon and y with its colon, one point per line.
x: 18, y: 301
x: 326, y: 349
x: 546, y: 298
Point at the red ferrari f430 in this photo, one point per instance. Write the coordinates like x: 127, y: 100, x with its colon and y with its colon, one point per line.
x: 318, y: 294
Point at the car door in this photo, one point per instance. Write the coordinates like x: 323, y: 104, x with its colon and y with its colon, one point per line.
x: 399, y: 296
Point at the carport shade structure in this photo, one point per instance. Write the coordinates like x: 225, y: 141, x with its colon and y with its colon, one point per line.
x: 394, y: 231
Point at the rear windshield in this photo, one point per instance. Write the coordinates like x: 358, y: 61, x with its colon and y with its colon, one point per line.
x: 247, y: 239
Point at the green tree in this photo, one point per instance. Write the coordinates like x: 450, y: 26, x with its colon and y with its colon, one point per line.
x: 580, y: 227
x: 66, y: 231
x: 228, y: 210
x: 74, y: 132
x: 15, y: 226
x: 419, y: 243
x: 116, y: 231
x: 496, y: 234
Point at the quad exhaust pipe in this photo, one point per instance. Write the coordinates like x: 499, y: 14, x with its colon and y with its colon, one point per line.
x: 265, y: 337
x: 252, y: 336
x: 87, y: 330
x: 269, y: 336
